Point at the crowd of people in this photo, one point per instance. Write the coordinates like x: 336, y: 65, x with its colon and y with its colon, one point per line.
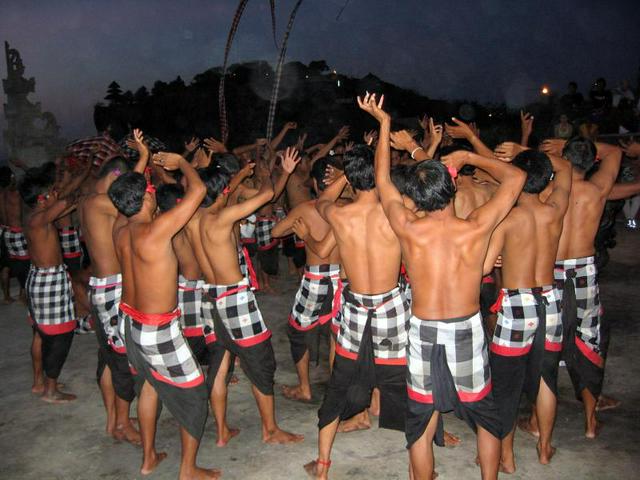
x: 449, y: 276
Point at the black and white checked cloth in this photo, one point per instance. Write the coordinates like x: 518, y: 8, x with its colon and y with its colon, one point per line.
x: 50, y: 299
x: 190, y: 305
x: 238, y: 311
x: 70, y: 242
x: 584, y: 275
x: 389, y: 324
x: 159, y: 341
x: 264, y: 240
x: 16, y: 243
x: 104, y: 295
x: 466, y: 357
x: 315, y: 301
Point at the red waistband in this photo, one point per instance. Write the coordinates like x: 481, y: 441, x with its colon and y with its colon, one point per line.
x: 15, y: 229
x: 154, y: 319
x: 488, y: 279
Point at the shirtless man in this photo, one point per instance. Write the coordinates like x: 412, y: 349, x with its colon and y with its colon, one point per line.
x: 7, y: 179
x: 13, y: 238
x: 444, y: 258
x: 318, y: 298
x: 97, y: 215
x: 584, y: 338
x: 229, y: 305
x: 371, y: 343
x: 157, y: 350
x: 49, y: 291
x: 526, y: 345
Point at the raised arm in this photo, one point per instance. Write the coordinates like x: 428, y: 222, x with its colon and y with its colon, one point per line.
x: 624, y: 190
x: 342, y: 134
x: 526, y: 127
x: 561, y: 184
x: 290, y: 161
x: 277, y: 140
x: 326, y: 200
x: 171, y: 222
x: 138, y: 144
x: 463, y: 130
x: 496, y: 244
x: 605, y: 177
x: 390, y: 197
x: 435, y: 134
x: 402, y: 140
x: 234, y: 213
x: 74, y: 183
x: 511, y: 182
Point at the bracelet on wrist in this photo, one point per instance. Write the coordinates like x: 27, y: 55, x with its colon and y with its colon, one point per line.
x: 414, y: 151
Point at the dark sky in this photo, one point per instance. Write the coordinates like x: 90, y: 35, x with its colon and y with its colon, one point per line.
x: 478, y: 49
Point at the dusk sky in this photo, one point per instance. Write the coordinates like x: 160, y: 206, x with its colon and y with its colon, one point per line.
x: 477, y: 49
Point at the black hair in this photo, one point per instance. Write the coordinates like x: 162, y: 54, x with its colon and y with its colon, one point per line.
x: 227, y: 162
x: 466, y: 170
x: 33, y: 185
x: 358, y: 167
x: 318, y: 171
x: 399, y: 176
x: 430, y: 186
x: 127, y: 193
x: 113, y: 164
x: 215, y: 179
x: 168, y: 195
x: 581, y: 152
x: 538, y: 168
x: 5, y: 176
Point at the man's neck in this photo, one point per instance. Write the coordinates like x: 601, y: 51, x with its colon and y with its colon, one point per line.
x: 366, y: 196
x: 528, y: 200
x: 444, y: 214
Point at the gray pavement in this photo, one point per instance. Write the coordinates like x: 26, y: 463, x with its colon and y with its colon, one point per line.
x: 40, y: 441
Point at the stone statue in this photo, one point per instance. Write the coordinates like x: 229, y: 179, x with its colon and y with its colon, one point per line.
x: 32, y: 136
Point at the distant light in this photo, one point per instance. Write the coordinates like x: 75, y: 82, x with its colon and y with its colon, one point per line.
x: 306, y: 76
x: 491, y: 114
x: 334, y: 72
x: 338, y: 83
x: 545, y: 90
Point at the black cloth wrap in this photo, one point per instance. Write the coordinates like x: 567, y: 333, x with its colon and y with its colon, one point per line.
x: 121, y: 377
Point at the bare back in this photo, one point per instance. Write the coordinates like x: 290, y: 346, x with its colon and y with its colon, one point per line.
x: 297, y: 190
x: 192, y: 234
x: 221, y: 250
x: 369, y: 250
x: 12, y: 207
x: 581, y: 222
x: 187, y: 263
x: 318, y: 229
x: 97, y: 217
x: 43, y: 240
x: 469, y: 196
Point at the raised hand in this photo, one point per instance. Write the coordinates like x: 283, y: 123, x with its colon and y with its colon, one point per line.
x: 291, y: 125
x: 331, y: 174
x: 459, y: 130
x: 526, y: 123
x: 301, y: 140
x: 402, y: 140
x: 630, y: 148
x: 553, y: 146
x: 247, y: 170
x: 506, y: 151
x: 373, y: 107
x: 201, y: 158
x: 343, y: 133
x: 168, y: 160
x: 423, y: 122
x: 137, y: 142
x: 435, y: 133
x: 192, y: 144
x: 456, y: 159
x: 214, y: 145
x: 290, y: 159
x: 300, y: 228
x: 348, y: 146
x: 370, y: 137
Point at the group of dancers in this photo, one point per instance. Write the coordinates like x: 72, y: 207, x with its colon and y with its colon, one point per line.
x: 448, y: 277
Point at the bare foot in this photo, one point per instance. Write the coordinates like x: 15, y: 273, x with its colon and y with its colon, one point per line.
x: 150, y: 464
x: 37, y: 389
x: 606, y: 403
x: 229, y: 434
x: 198, y: 473
x: 58, y: 397
x: 507, y: 467
x: 127, y: 433
x: 593, y: 430
x: 544, y: 457
x: 359, y: 422
x: 524, y: 424
x: 234, y: 380
x: 315, y: 470
x: 296, y: 393
x: 450, y: 440
x: 280, y: 437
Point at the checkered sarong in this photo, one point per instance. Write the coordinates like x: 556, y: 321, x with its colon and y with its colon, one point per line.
x: 70, y: 242
x: 50, y: 299
x: 389, y: 324
x: 16, y: 243
x: 159, y: 341
x: 104, y: 295
x: 583, y: 273
x: 518, y: 321
x: 318, y: 298
x: 246, y: 267
x: 100, y: 148
x: 239, y: 312
x: 466, y: 357
x: 190, y: 305
x: 264, y: 226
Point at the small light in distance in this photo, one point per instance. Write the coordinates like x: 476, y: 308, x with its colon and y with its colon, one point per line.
x: 545, y: 90
x: 338, y: 83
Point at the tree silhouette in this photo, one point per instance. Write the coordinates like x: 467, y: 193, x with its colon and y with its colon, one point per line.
x: 114, y: 93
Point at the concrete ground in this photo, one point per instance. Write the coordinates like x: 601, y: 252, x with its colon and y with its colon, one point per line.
x: 40, y: 441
